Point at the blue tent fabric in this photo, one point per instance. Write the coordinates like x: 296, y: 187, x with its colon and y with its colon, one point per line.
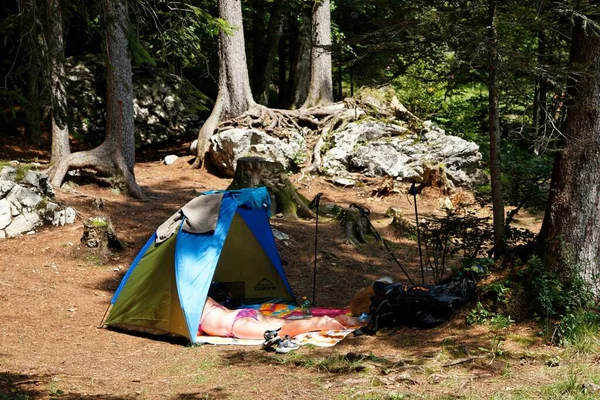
x: 195, y: 264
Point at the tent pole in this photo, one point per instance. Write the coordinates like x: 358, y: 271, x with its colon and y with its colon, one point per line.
x: 105, y: 314
x: 315, y: 203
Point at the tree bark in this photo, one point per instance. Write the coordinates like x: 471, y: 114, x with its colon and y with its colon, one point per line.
x: 235, y: 95
x: 494, y: 133
x: 264, y: 75
x: 321, y: 82
x: 570, y: 233
x: 540, y: 112
x: 116, y: 155
x: 300, y: 65
x: 34, y: 42
x: 58, y: 95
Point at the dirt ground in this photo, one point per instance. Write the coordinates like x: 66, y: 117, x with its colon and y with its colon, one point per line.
x: 54, y: 293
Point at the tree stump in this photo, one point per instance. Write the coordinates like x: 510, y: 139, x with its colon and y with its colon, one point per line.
x: 285, y: 199
x: 355, y: 225
x: 434, y: 177
x: 98, y: 233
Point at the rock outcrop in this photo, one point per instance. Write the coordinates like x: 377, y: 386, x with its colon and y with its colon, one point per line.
x: 381, y: 149
x: 27, y: 203
x: 160, y: 107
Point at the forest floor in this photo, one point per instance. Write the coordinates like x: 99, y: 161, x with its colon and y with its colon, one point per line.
x: 54, y: 293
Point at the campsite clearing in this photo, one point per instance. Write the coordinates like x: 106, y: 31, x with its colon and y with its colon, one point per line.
x: 54, y: 294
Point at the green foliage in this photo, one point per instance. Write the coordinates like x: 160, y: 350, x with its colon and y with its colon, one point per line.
x: 573, y: 387
x: 567, y: 303
x: 459, y: 233
x: 525, y: 177
x: 578, y: 329
x: 176, y: 34
x: 478, y: 315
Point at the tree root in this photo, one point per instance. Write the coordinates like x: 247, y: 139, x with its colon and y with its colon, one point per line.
x: 101, y: 159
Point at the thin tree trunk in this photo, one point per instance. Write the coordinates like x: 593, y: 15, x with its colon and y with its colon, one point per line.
x: 235, y: 95
x: 540, y: 113
x: 258, y: 36
x: 283, y: 79
x: 570, y: 233
x: 494, y: 132
x: 58, y: 96
x: 300, y: 66
x: 264, y: 77
x: 33, y: 110
x: 321, y: 82
x: 34, y: 42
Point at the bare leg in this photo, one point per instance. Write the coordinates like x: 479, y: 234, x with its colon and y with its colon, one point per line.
x: 249, y: 328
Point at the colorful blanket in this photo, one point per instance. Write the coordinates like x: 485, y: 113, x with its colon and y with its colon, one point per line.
x: 287, y: 311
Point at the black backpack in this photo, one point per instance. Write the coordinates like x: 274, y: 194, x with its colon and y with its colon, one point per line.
x: 423, y: 306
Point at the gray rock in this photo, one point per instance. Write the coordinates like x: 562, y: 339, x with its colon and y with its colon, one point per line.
x: 383, y: 149
x: 38, y: 181
x: 23, y: 196
x: 8, y: 173
x: 227, y: 146
x: 70, y: 215
x: 23, y: 223
x: 170, y: 159
x: 5, y: 187
x: 5, y: 213
x: 2, y: 234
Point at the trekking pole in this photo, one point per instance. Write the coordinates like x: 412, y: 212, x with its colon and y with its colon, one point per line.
x: 315, y: 203
x: 413, y: 191
x: 364, y: 213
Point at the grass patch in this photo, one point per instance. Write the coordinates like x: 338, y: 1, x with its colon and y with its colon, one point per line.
x: 337, y: 364
x: 579, y: 384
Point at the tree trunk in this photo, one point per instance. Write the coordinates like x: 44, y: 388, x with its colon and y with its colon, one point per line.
x: 285, y: 199
x: 321, y: 83
x: 494, y: 131
x: 282, y: 79
x: 570, y: 231
x: 264, y: 76
x: 540, y: 112
x: 33, y: 110
x: 34, y: 42
x: 116, y: 155
x: 300, y: 66
x: 258, y: 37
x: 58, y: 96
x: 235, y: 95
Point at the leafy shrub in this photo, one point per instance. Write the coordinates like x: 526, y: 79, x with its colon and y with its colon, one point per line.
x: 459, y: 233
x: 569, y: 304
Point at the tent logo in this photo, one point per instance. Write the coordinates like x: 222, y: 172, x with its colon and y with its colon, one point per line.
x: 264, y: 286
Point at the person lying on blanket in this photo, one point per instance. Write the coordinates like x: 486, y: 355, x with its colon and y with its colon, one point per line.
x: 248, y: 323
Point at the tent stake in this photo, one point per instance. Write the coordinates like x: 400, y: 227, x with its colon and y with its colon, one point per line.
x: 413, y: 191
x: 315, y: 203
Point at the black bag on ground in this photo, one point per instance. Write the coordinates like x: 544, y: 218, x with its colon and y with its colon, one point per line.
x: 423, y: 306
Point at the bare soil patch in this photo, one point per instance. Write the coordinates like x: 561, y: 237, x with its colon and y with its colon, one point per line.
x: 54, y: 294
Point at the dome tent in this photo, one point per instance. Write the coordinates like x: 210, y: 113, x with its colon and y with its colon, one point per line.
x: 220, y: 236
